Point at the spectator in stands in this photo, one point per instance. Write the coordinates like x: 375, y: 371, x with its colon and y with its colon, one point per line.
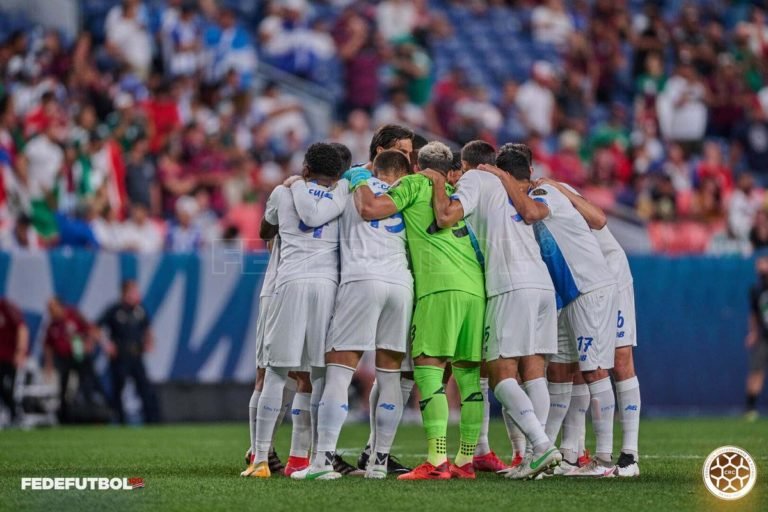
x: 357, y: 135
x: 727, y: 96
x: 69, y: 347
x: 513, y: 128
x: 281, y: 114
x: 565, y: 164
x: 14, y: 345
x: 22, y: 238
x: 713, y: 167
x: 758, y: 235
x: 536, y: 101
x: 228, y: 48
x: 681, y: 106
x: 361, y: 51
x: 396, y: 19
x: 128, y: 39
x: 411, y: 67
x: 45, y: 164
x: 399, y: 110
x: 751, y: 143
x: 477, y: 107
x: 184, y: 234
x: 108, y: 230
x: 141, y: 177
x: 183, y: 42
x: 126, y: 325
x: 551, y: 23
x: 139, y: 233
x: 678, y: 170
x: 648, y: 86
x: 663, y: 200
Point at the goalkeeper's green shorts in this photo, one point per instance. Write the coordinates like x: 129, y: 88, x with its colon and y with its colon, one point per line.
x: 449, y: 325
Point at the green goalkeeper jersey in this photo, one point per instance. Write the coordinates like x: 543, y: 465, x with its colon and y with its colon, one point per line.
x: 442, y: 259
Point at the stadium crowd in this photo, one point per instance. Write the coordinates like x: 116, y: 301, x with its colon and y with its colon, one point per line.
x: 149, y: 133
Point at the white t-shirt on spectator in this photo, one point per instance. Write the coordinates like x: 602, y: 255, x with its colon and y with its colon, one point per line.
x: 130, y: 36
x: 282, y: 124
x: 144, y: 238
x: 536, y: 103
x: 684, y: 121
x: 45, y: 159
x: 395, y: 19
x: 551, y: 26
x: 409, y: 114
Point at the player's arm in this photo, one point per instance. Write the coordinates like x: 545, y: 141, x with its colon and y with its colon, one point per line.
x: 373, y: 207
x: 316, y: 212
x: 447, y: 211
x: 594, y: 215
x: 269, y: 223
x: 531, y: 211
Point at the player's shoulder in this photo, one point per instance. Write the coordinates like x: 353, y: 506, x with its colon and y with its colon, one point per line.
x: 410, y: 181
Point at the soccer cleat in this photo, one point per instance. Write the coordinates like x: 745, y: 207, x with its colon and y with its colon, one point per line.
x: 533, y: 465
x: 275, y: 464
x: 465, y: 472
x: 345, y: 468
x: 595, y: 469
x: 627, y: 466
x: 362, y: 460
x: 516, y: 461
x: 488, y: 462
x: 295, y: 464
x: 248, y: 457
x: 751, y: 416
x: 427, y: 471
x: 314, y: 473
x: 376, y: 472
x: 394, y: 467
x: 584, y: 459
x: 260, y: 470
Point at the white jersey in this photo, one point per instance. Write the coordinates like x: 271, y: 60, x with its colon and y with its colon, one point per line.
x: 373, y: 249
x: 568, y: 247
x: 512, y: 257
x: 309, y: 248
x: 614, y: 254
x: 270, y: 275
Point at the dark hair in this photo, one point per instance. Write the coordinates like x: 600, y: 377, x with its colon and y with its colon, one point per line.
x: 344, y: 154
x: 478, y: 152
x: 126, y: 283
x: 436, y: 156
x: 391, y: 161
x: 322, y: 159
x: 387, y: 136
x: 419, y: 141
x: 515, y: 161
x: 456, y: 162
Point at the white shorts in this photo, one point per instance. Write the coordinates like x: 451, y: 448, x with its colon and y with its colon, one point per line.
x: 587, y: 330
x: 297, y: 324
x: 626, y: 325
x: 371, y: 315
x: 520, y: 323
x: 261, y: 322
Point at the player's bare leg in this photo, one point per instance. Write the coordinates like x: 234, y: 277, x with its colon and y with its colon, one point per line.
x: 503, y: 373
x: 755, y: 382
x: 628, y: 394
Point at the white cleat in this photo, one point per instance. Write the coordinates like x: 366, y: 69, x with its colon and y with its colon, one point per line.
x: 627, y: 466
x: 535, y: 464
x: 594, y: 469
x: 376, y: 472
x: 314, y: 473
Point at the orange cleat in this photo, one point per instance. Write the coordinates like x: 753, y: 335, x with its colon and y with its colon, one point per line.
x: 427, y: 471
x: 584, y: 459
x: 488, y: 462
x: 295, y: 464
x: 465, y: 472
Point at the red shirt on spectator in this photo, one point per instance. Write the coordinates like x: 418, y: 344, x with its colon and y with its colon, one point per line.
x: 164, y: 119
x: 11, y: 320
x: 60, y: 332
x: 718, y: 172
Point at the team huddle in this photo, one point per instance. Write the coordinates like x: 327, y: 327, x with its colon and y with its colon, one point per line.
x: 444, y: 265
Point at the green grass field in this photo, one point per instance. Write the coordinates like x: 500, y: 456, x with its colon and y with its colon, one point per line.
x: 195, y: 467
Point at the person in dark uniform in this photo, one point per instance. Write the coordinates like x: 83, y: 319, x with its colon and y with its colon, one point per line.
x: 14, y: 342
x: 757, y: 337
x: 127, y: 326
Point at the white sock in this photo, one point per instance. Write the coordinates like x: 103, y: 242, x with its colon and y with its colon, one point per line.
x: 575, y: 423
x: 537, y: 391
x: 628, y: 392
x: 301, y: 435
x: 332, y: 413
x: 373, y: 399
x: 516, y: 436
x: 270, y: 403
x: 520, y: 409
x: 406, y: 388
x: 389, y: 410
x: 317, y: 377
x: 289, y: 392
x: 559, y: 399
x: 603, y: 406
x: 482, y: 442
x: 253, y: 407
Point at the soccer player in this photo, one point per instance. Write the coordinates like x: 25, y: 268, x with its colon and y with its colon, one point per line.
x: 305, y: 290
x: 372, y: 312
x: 521, y: 314
x: 297, y: 400
x: 448, y: 319
x: 588, y: 294
x: 627, y: 384
x: 389, y: 136
x: 757, y: 338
